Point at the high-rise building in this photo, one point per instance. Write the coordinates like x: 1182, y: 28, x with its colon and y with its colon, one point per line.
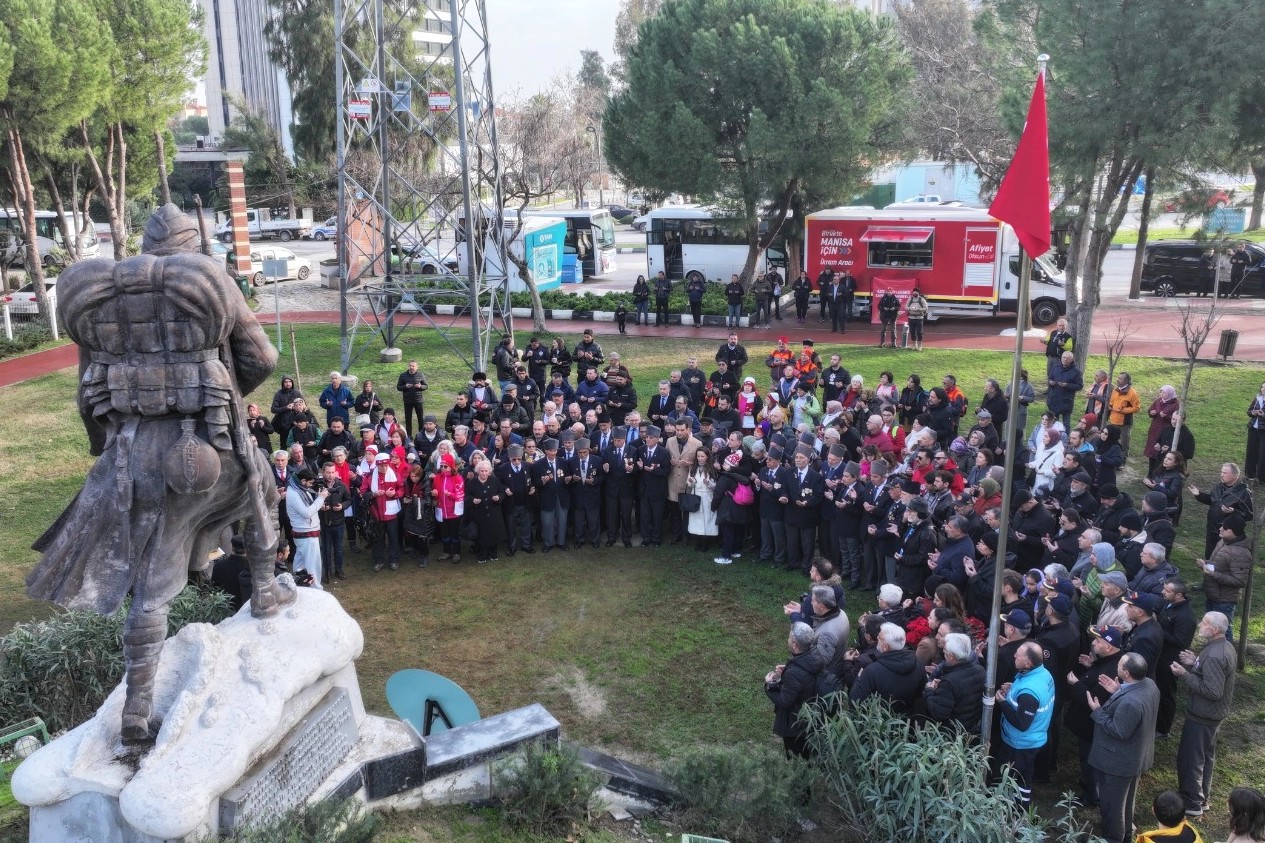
x: 433, y: 35
x: 238, y: 68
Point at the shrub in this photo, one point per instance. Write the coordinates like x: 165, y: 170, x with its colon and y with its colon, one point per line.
x: 740, y: 792
x: 343, y: 821
x: 545, y: 789
x: 892, y: 782
x: 62, y: 669
x: 25, y: 337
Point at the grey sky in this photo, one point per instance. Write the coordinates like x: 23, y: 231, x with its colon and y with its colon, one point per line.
x: 533, y: 40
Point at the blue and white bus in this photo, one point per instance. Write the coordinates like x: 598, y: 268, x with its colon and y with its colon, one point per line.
x: 590, y: 237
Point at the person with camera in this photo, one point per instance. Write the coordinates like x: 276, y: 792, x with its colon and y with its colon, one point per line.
x: 304, y: 502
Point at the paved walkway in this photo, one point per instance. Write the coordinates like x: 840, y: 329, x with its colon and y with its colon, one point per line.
x: 1152, y: 322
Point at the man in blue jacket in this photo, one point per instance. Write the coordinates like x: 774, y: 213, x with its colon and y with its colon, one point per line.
x: 1026, y: 706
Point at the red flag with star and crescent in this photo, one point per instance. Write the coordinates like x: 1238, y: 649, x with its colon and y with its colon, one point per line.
x: 1023, y: 200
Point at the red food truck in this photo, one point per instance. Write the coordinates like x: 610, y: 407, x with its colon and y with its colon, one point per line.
x: 965, y: 262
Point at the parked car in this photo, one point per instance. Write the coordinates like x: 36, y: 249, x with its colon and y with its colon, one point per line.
x: 1197, y: 200
x: 619, y: 212
x: 295, y: 266
x: 642, y: 222
x: 1174, y: 267
x: 22, y: 307
x: 327, y: 230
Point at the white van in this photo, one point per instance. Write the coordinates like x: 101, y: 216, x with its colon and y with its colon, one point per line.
x: 48, y: 237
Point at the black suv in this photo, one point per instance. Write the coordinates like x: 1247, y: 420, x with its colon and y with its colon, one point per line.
x: 1171, y: 267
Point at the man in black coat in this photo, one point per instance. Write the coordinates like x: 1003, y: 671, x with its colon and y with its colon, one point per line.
x: 772, y: 481
x: 1082, y: 682
x: 1146, y: 638
x: 654, y: 464
x: 337, y: 436
x: 793, y: 684
x: 619, y: 466
x: 1029, y: 525
x: 802, y: 496
x: 586, y: 494
x: 734, y: 355
x: 896, y: 675
x: 517, y: 480
x: 955, y: 699
x: 1060, y: 643
x: 549, y: 478
x: 1177, y: 622
x: 412, y: 385
x: 1115, y: 505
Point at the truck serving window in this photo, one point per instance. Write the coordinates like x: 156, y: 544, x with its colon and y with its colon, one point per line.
x: 899, y: 246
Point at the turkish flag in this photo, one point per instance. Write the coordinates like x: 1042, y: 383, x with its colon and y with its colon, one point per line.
x: 1023, y: 200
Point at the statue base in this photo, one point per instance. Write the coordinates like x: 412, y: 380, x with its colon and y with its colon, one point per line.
x: 255, y: 714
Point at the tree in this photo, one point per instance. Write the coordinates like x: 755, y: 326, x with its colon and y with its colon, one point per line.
x: 956, y: 96
x: 52, y: 65
x: 1116, y: 108
x: 300, y: 36
x: 268, y: 171
x: 632, y: 14
x: 1249, y: 130
x: 593, y: 72
x: 156, y: 49
x: 764, y: 98
x: 538, y: 141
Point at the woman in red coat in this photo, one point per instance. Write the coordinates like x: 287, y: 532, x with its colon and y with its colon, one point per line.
x: 448, y: 488
x: 1161, y: 413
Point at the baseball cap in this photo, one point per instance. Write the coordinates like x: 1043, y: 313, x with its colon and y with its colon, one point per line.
x: 1018, y: 618
x: 1111, y: 634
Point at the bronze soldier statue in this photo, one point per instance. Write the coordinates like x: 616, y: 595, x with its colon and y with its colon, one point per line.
x: 167, y: 350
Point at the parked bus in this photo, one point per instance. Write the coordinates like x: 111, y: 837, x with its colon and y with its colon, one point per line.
x: 687, y: 241
x: 590, y: 237
x: 48, y: 237
x: 540, y: 242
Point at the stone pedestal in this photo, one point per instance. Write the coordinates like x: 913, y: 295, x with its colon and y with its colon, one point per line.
x: 255, y: 716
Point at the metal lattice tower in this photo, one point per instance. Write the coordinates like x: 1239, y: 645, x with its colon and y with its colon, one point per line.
x: 417, y: 158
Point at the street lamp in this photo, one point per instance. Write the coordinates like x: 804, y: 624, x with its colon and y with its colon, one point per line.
x: 597, y: 139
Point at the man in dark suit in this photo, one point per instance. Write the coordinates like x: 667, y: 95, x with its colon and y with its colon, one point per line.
x: 586, y: 494
x: 517, y: 480
x: 803, y: 497
x: 619, y: 468
x: 549, y: 476
x: 1124, y: 743
x: 661, y: 405
x: 654, y: 465
x: 771, y: 484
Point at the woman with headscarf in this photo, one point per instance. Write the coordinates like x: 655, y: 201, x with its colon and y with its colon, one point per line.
x: 1108, y: 456
x: 749, y: 405
x: 1161, y: 413
x: 1089, y: 589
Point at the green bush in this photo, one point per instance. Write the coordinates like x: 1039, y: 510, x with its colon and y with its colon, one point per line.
x: 62, y: 669
x: 744, y: 793
x: 545, y: 789
x: 25, y: 337
x: 894, y: 782
x: 343, y: 821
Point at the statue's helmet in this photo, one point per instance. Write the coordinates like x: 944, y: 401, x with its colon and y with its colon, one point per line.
x: 170, y: 230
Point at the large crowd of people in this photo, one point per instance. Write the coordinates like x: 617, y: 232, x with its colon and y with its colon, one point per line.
x: 777, y: 456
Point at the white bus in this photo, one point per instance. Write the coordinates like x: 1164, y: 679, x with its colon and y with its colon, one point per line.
x: 687, y: 242
x: 590, y: 237
x: 47, y: 237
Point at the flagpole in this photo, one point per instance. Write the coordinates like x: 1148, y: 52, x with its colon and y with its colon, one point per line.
x: 1013, y: 439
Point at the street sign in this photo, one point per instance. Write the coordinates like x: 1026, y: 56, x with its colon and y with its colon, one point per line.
x: 440, y: 101
x: 359, y: 109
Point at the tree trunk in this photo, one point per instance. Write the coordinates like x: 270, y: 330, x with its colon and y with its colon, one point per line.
x: 1135, y: 283
x: 537, y: 306
x: 70, y: 238
x: 120, y: 198
x: 106, y: 187
x: 25, y: 200
x: 164, y: 189
x: 1258, y: 194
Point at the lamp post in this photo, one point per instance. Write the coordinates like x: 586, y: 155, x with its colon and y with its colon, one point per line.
x: 597, y: 140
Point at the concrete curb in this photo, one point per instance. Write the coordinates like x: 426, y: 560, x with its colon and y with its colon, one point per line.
x: 685, y: 320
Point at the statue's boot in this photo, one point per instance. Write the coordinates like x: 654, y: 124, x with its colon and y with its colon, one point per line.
x: 143, y: 636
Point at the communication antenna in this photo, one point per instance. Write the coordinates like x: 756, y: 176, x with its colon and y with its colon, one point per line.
x: 420, y: 200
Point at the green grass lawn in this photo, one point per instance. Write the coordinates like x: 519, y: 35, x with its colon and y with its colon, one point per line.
x: 636, y: 653
x: 1129, y: 236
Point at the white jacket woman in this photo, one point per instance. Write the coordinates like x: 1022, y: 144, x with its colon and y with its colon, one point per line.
x: 1046, y: 461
